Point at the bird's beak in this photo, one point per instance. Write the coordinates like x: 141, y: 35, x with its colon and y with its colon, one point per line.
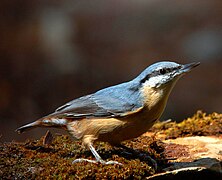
x: 187, y: 67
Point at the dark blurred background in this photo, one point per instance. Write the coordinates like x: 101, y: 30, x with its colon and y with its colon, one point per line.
x: 52, y: 51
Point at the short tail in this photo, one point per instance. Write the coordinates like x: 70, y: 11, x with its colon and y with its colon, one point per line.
x: 28, y: 127
x: 47, y: 121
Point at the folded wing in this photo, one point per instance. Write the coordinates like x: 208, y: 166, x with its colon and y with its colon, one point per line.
x: 110, y: 102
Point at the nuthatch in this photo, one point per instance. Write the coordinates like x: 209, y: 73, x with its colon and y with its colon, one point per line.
x: 119, y: 112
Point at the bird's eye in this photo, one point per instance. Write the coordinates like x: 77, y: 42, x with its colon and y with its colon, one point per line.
x: 162, y: 71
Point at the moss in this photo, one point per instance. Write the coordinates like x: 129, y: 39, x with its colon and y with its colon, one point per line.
x: 32, y: 159
x: 35, y: 159
x: 200, y: 124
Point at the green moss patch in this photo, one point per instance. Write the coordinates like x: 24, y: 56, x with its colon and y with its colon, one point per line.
x: 200, y: 124
x: 32, y: 159
x: 52, y: 159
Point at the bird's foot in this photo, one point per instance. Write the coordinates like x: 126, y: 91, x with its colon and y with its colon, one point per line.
x: 84, y: 160
x: 110, y: 162
x: 95, y: 161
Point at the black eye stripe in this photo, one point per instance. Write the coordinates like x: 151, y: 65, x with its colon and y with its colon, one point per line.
x: 163, y: 71
x: 159, y: 72
x: 146, y: 78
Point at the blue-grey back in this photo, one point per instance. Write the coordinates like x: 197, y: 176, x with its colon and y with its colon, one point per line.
x: 112, y: 101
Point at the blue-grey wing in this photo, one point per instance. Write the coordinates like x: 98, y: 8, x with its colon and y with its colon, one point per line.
x: 110, y: 102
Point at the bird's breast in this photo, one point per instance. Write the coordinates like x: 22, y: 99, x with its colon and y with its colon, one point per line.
x: 154, y: 102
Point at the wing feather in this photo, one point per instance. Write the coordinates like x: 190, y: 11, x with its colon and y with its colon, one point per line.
x: 110, y: 102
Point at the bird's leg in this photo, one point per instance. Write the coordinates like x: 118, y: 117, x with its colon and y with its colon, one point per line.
x: 96, y: 155
x: 99, y: 159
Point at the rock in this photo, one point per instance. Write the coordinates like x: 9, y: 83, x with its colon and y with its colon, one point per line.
x: 187, y: 173
x: 194, y: 157
x: 196, y: 151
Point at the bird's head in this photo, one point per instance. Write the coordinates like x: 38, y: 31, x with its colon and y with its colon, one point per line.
x: 164, y: 73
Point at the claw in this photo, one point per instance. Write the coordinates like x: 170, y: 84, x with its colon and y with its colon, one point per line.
x: 111, y: 162
x: 97, y: 156
x: 84, y: 160
x: 95, y: 161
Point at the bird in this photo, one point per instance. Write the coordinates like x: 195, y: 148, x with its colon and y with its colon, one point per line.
x: 117, y: 113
